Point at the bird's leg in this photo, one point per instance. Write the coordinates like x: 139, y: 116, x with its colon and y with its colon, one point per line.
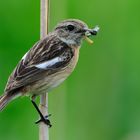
x: 42, y: 118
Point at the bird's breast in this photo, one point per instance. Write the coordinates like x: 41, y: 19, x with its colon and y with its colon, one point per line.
x: 51, y: 81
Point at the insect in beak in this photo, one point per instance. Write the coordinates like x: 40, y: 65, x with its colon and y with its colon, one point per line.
x: 90, y: 32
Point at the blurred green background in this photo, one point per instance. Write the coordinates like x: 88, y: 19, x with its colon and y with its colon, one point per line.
x: 101, y: 99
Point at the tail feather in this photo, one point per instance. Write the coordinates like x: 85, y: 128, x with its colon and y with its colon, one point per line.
x: 4, y: 100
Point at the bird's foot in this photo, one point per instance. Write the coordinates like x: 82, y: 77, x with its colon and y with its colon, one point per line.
x: 45, y: 120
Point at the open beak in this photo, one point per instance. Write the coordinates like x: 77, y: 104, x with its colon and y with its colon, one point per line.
x: 90, y: 32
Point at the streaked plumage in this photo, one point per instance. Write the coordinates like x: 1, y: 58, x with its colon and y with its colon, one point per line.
x: 27, y: 72
x: 48, y: 63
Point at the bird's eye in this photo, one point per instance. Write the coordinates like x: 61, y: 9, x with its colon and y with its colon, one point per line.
x: 70, y: 27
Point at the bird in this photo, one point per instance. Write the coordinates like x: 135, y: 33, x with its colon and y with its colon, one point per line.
x: 48, y: 63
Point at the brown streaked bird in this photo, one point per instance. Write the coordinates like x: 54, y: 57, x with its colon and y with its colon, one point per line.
x: 48, y: 63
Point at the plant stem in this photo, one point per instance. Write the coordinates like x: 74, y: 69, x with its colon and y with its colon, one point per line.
x: 44, y: 20
x: 43, y: 128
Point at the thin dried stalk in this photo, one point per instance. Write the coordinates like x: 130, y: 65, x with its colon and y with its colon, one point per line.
x: 44, y: 19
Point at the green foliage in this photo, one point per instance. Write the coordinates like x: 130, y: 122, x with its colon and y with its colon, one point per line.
x: 101, y: 99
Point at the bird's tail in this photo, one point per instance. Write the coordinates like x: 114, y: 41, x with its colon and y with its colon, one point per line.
x: 5, y: 99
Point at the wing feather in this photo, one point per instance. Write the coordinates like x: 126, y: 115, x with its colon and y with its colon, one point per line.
x: 46, y: 57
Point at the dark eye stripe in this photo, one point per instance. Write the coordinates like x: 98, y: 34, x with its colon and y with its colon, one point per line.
x: 68, y: 27
x: 81, y: 31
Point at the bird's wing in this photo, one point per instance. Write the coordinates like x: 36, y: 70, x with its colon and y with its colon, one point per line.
x: 45, y: 58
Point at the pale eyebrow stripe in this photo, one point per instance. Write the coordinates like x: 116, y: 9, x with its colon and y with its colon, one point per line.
x: 49, y: 63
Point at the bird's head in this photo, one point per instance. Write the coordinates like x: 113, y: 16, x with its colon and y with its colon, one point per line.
x: 73, y: 31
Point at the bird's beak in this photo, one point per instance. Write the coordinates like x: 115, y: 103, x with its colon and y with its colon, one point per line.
x: 90, y: 32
